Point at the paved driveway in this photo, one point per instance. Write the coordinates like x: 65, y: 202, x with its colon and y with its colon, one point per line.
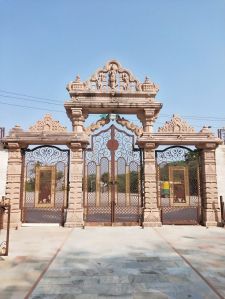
x: 115, y: 262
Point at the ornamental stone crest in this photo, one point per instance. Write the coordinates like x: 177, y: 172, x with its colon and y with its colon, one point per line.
x: 113, y: 77
x: 47, y: 124
x: 176, y: 125
x: 138, y: 131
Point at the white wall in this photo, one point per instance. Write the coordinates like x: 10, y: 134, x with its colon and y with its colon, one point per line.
x: 3, y: 169
x: 220, y: 170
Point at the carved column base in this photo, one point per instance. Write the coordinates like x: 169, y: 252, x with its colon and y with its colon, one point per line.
x: 211, y: 217
x: 74, y: 218
x: 152, y: 217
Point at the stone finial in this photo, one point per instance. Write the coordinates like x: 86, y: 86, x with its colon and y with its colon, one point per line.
x: 75, y: 85
x: 176, y: 125
x: 149, y: 86
x: 206, y: 130
x: 47, y: 124
x: 15, y: 129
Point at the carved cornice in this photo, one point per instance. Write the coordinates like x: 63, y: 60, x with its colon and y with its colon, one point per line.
x: 176, y: 125
x: 138, y: 131
x: 48, y: 124
x: 113, y: 78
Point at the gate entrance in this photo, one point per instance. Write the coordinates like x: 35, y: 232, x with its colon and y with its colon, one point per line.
x: 112, y: 181
x: 45, y: 184
x: 178, y: 185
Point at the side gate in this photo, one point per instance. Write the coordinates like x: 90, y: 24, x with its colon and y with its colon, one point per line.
x: 45, y: 185
x: 178, y: 185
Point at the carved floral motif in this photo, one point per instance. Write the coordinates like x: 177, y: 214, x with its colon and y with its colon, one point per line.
x: 48, y: 124
x: 176, y: 125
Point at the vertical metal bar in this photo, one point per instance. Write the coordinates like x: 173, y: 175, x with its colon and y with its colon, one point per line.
x: 68, y: 178
x: 62, y: 218
x: 142, y: 186
x: 112, y: 177
x: 23, y: 184
x: 127, y: 184
x: 222, y: 207
x: 8, y: 228
x: 97, y: 186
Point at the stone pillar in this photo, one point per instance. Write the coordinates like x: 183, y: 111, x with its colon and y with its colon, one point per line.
x: 147, y: 118
x: 152, y: 216
x: 211, y: 210
x: 78, y: 117
x: 14, y: 183
x: 75, y: 212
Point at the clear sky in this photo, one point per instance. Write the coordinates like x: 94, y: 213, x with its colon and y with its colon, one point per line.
x: 179, y: 44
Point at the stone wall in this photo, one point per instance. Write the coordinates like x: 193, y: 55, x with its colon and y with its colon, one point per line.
x: 220, y: 170
x: 3, y: 169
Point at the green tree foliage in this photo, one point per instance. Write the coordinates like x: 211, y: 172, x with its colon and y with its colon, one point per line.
x: 91, y: 183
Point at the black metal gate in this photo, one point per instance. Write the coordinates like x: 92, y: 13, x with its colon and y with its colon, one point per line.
x: 178, y: 185
x: 45, y: 184
x: 112, y: 181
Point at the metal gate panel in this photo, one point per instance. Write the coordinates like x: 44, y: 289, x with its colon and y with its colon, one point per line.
x: 112, y: 192
x: 178, y: 185
x: 45, y: 189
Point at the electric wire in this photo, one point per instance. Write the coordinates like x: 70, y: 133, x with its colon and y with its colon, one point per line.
x: 48, y: 101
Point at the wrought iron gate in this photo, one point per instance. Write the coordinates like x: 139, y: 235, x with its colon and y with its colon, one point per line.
x: 45, y: 184
x: 178, y: 185
x: 112, y: 181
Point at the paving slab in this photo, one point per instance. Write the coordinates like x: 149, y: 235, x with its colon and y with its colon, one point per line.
x: 30, y: 251
x: 170, y: 262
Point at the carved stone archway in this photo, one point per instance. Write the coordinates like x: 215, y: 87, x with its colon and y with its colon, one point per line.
x: 113, y: 90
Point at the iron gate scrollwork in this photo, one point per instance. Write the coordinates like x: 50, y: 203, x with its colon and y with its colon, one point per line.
x: 112, y: 184
x: 178, y: 185
x: 45, y: 184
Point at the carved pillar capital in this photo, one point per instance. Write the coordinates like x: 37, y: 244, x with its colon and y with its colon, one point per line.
x: 149, y: 146
x: 207, y: 146
x: 75, y: 146
x: 146, y: 145
x: 147, y: 117
x: 78, y: 117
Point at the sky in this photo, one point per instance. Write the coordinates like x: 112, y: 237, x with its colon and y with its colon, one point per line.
x: 179, y: 44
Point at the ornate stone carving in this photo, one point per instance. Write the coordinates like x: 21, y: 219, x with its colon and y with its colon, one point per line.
x: 97, y: 125
x: 206, y: 130
x: 48, y: 124
x: 129, y: 125
x: 76, y: 84
x: 149, y: 86
x: 113, y: 77
x: 176, y: 125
